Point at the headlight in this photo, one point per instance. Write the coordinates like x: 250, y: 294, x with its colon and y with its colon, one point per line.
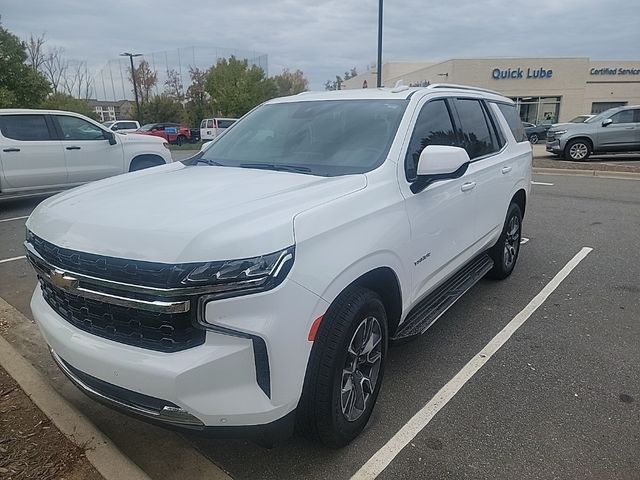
x: 557, y: 133
x: 263, y: 272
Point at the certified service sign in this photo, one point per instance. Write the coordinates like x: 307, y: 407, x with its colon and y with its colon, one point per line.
x: 614, y: 71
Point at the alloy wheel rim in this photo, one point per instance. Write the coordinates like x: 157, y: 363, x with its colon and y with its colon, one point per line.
x: 578, y: 151
x: 361, y: 369
x: 512, y: 242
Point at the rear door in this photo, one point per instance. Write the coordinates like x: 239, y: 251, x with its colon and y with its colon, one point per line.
x: 490, y: 168
x: 619, y: 135
x: 31, y: 155
x: 87, y: 150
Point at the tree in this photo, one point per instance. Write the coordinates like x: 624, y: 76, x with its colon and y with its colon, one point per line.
x: 78, y: 82
x: 291, y: 83
x: 198, y: 105
x: 20, y: 85
x: 145, y: 80
x: 35, y: 51
x: 64, y: 101
x: 163, y: 108
x: 173, y: 85
x: 55, y: 68
x: 337, y: 83
x: 236, y: 88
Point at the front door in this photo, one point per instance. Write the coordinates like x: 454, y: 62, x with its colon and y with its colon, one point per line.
x: 89, y: 154
x: 619, y: 135
x: 441, y: 215
x: 31, y: 155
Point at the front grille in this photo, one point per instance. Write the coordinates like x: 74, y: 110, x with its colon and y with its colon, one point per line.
x: 151, y: 274
x: 162, y: 332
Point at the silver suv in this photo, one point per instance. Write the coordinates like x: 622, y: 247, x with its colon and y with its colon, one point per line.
x: 614, y: 130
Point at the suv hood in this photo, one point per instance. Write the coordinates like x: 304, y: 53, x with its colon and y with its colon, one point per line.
x: 140, y: 138
x: 177, y: 213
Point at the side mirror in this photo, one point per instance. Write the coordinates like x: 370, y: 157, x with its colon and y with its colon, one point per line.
x: 440, y: 162
x: 607, y: 122
x: 114, y: 128
x: 111, y: 137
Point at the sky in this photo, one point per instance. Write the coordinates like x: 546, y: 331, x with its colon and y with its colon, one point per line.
x: 324, y: 38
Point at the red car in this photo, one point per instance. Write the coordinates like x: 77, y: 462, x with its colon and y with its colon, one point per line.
x: 171, y: 132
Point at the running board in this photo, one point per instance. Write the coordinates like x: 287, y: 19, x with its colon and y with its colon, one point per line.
x: 428, y: 310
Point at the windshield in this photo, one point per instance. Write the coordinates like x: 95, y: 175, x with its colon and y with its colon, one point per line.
x: 579, y: 119
x: 108, y: 124
x: 147, y: 127
x: 328, y: 138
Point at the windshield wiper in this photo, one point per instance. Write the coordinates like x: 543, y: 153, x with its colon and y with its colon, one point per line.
x: 282, y: 167
x: 208, y: 162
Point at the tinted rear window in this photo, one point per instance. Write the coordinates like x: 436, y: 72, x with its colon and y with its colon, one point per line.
x: 24, y: 127
x: 476, y: 135
x: 225, y: 123
x: 513, y: 119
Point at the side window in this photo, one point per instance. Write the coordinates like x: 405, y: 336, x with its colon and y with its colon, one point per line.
x: 475, y: 133
x: 25, y: 127
x: 625, y: 116
x: 433, y: 127
x: 74, y: 128
x: 203, y: 124
x: 225, y: 123
x: 128, y: 125
x: 510, y: 114
x: 637, y: 115
x: 209, y: 123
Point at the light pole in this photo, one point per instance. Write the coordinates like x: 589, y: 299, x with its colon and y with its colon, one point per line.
x: 133, y: 79
x: 379, y: 73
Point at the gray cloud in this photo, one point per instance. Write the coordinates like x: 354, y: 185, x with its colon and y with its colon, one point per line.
x: 327, y: 37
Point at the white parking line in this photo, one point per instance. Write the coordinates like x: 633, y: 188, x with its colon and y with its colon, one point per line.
x: 12, y: 259
x: 12, y: 219
x: 542, y: 183
x: 383, y: 457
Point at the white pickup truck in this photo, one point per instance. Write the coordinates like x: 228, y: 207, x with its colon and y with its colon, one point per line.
x: 48, y: 150
x: 257, y: 285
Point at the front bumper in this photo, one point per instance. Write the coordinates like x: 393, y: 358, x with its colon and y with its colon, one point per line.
x: 208, y: 386
x: 554, y: 145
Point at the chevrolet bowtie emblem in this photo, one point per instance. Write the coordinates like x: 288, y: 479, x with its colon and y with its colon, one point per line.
x: 63, y: 280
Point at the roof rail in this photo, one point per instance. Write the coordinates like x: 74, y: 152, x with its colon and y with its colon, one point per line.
x: 463, y: 87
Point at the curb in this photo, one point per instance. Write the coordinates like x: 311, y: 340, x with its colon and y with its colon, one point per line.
x: 110, y: 462
x: 587, y: 173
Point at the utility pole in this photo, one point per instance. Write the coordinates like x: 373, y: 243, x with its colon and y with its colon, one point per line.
x: 379, y: 73
x: 133, y: 80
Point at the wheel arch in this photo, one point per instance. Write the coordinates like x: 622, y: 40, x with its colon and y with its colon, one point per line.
x: 581, y: 137
x: 520, y: 199
x: 146, y: 157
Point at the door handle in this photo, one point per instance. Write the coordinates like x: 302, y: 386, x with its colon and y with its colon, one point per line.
x: 11, y: 150
x: 506, y: 169
x: 73, y: 148
x: 468, y: 186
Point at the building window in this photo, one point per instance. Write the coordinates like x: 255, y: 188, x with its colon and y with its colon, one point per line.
x: 599, y: 107
x: 538, y: 110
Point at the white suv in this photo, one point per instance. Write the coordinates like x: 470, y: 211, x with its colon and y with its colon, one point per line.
x: 49, y: 150
x: 259, y: 283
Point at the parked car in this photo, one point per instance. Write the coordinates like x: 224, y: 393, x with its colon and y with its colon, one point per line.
x: 614, y: 130
x: 535, y: 133
x: 581, y: 118
x: 210, y: 128
x: 122, y: 126
x: 171, y: 132
x: 49, y: 150
x: 259, y: 283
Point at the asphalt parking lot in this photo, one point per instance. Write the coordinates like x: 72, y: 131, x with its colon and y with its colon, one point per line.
x: 560, y: 399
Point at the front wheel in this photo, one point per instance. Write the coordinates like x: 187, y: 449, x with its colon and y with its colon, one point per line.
x: 505, y: 252
x: 533, y: 138
x: 577, y: 150
x: 345, y: 369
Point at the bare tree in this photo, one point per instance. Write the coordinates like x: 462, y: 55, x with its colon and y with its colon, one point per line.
x: 173, y: 85
x: 55, y: 67
x: 77, y: 80
x: 35, y: 51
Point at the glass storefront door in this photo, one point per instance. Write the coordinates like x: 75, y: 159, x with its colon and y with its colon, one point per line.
x: 538, y: 110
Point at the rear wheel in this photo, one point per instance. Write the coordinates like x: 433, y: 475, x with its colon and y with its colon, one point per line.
x: 345, y: 369
x: 577, y: 150
x: 181, y: 139
x: 505, y: 252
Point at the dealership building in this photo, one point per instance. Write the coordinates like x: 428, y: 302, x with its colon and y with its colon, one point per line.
x: 546, y: 90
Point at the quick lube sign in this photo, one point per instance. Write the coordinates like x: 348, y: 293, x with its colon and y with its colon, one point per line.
x: 520, y: 73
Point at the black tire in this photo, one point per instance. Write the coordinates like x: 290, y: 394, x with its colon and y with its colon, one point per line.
x: 578, y: 150
x: 142, y: 163
x: 505, y: 252
x: 181, y: 139
x: 321, y: 411
x: 533, y: 138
